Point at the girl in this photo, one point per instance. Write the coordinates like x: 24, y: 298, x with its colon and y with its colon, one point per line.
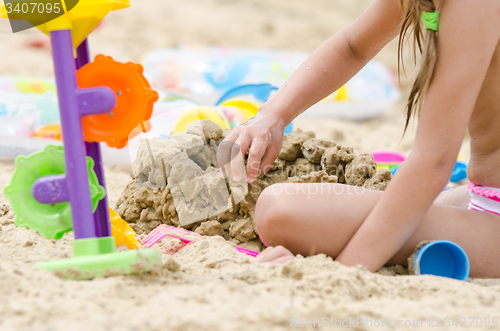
x: 457, y: 88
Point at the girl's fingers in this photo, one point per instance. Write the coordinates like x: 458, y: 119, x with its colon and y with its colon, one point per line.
x: 238, y: 151
x: 268, y: 159
x: 224, y: 153
x: 257, y: 150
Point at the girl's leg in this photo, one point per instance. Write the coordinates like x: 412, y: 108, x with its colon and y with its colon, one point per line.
x: 458, y: 197
x: 321, y: 218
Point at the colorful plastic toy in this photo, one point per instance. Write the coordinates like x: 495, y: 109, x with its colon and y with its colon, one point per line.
x: 183, y: 235
x: 388, y: 159
x: 122, y: 232
x: 459, y: 171
x: 229, y: 110
x: 40, y: 204
x: 132, y: 92
x: 52, y: 131
x: 80, y: 19
x: 199, y: 113
x: 442, y: 258
x: 261, y: 92
x: 248, y: 109
x: 55, y: 184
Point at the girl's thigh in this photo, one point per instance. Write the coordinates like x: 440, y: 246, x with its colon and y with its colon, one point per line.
x: 321, y: 218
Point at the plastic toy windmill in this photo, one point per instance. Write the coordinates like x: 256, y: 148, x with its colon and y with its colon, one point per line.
x: 81, y: 17
x: 56, y: 190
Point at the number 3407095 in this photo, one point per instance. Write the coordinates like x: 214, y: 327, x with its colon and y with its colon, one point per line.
x: 33, y: 8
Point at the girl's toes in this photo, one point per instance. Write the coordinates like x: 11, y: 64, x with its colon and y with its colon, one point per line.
x: 282, y: 259
x: 271, y: 254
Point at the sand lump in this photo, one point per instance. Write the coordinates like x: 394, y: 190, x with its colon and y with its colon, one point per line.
x: 176, y: 181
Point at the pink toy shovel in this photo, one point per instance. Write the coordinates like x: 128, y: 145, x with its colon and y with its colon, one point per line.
x: 183, y: 235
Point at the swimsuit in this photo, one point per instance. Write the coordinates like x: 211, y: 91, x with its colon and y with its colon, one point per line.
x: 484, y: 198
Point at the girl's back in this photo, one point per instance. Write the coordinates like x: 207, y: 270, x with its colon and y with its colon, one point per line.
x: 484, y: 128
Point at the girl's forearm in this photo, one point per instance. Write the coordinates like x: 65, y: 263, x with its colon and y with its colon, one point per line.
x: 336, y: 61
x: 398, y: 214
x: 324, y: 72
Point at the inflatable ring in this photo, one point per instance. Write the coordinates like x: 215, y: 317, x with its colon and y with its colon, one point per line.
x: 51, y: 220
x: 199, y: 113
x: 249, y: 109
x: 134, y: 105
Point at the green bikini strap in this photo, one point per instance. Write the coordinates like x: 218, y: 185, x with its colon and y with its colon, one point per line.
x: 430, y: 20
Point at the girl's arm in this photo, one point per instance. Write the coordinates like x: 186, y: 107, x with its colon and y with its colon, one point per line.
x: 469, y: 32
x: 326, y: 70
x: 337, y: 60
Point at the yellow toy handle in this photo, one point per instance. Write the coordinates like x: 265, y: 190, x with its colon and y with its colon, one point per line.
x: 81, y: 19
x: 122, y: 232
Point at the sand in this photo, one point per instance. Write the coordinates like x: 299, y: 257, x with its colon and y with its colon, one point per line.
x: 208, y: 285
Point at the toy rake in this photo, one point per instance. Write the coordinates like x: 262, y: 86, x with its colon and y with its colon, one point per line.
x: 183, y: 235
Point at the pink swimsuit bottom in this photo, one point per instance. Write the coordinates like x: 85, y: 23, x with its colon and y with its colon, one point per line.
x: 484, y: 198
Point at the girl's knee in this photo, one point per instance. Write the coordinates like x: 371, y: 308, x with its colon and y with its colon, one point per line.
x: 269, y: 214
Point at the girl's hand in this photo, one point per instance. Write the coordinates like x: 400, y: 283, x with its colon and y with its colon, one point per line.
x: 262, y: 136
x: 278, y: 254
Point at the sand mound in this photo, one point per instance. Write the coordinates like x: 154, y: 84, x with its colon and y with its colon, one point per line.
x: 177, y: 181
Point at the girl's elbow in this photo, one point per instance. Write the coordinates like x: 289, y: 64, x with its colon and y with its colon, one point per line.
x: 438, y: 166
x: 442, y: 167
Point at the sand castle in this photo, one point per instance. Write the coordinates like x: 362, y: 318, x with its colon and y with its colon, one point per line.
x: 176, y: 181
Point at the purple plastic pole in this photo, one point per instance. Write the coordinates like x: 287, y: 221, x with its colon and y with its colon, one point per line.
x: 82, y: 54
x: 72, y: 133
x: 73, y: 104
x: 101, y: 215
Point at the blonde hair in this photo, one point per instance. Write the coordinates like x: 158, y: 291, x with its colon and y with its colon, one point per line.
x: 413, y: 23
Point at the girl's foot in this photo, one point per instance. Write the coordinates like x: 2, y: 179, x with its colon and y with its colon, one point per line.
x: 278, y: 254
